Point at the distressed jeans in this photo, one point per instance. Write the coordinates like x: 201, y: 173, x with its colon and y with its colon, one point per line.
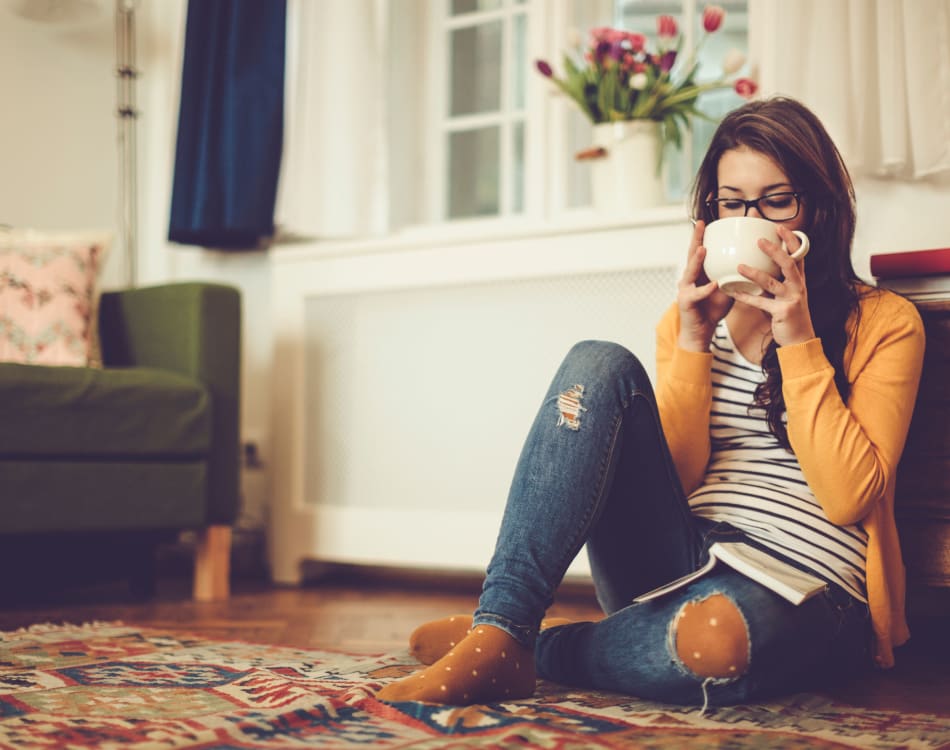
x: 595, y: 469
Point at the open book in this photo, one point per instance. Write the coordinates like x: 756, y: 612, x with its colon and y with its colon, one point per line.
x: 784, y: 579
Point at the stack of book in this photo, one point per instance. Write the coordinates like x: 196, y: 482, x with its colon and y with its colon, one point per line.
x: 917, y: 274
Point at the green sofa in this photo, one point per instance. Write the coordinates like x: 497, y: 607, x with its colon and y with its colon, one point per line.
x: 138, y: 450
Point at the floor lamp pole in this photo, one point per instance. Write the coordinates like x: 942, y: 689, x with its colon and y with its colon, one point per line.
x: 128, y: 114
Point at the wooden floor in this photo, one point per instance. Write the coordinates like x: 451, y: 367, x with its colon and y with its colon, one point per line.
x: 353, y: 610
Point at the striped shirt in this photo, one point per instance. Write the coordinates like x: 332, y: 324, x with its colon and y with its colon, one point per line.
x: 756, y: 485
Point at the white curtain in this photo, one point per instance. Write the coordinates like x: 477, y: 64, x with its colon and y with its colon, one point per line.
x: 877, y: 72
x: 356, y: 108
x: 333, y: 172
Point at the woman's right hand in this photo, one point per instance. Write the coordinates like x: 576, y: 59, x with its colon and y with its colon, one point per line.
x: 701, y: 303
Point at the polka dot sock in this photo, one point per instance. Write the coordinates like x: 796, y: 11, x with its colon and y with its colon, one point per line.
x: 433, y: 640
x: 486, y: 665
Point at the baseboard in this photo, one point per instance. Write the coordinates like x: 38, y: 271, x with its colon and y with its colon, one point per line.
x: 428, y: 579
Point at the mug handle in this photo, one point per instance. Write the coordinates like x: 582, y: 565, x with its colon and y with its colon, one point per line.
x: 804, y: 247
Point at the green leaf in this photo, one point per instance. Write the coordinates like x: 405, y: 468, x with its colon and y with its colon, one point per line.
x: 607, y: 90
x: 575, y: 93
x: 572, y: 70
x: 591, y: 102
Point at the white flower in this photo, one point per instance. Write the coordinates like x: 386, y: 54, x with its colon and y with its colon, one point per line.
x: 638, y: 81
x: 733, y: 60
x: 574, y: 37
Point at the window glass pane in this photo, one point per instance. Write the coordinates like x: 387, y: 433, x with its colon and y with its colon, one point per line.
x: 517, y: 168
x: 476, y: 69
x: 460, y: 7
x: 473, y: 165
x: 519, y: 62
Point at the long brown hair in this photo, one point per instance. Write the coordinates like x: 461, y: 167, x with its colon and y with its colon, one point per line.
x: 793, y: 137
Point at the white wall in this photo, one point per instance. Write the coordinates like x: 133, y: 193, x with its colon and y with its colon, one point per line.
x: 895, y: 216
x: 58, y: 158
x: 58, y: 155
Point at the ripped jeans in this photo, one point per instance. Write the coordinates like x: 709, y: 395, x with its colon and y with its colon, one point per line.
x: 596, y: 469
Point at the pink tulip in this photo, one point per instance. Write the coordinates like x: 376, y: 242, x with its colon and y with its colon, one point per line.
x: 666, y: 27
x: 746, y: 87
x: 604, y: 37
x: 636, y: 41
x: 712, y: 17
x: 602, y: 34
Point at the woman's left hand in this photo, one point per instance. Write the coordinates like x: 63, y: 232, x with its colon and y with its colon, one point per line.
x: 785, y: 300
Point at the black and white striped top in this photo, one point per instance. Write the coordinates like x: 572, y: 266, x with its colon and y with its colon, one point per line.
x: 756, y: 485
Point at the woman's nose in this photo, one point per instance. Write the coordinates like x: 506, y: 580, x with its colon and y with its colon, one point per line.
x: 754, y: 211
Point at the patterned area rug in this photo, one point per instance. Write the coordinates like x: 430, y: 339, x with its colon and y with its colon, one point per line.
x: 114, y: 686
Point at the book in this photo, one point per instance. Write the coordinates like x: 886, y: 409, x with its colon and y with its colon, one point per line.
x: 913, y: 286
x: 931, y: 262
x: 785, y: 580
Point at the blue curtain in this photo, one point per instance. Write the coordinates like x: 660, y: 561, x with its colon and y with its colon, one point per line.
x: 230, y: 124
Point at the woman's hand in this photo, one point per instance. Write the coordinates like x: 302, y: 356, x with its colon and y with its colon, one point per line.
x: 786, y: 301
x: 701, y: 303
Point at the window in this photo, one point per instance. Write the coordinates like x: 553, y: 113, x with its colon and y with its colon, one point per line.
x: 482, y: 120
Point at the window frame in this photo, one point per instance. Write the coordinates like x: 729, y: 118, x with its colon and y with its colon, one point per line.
x: 440, y: 122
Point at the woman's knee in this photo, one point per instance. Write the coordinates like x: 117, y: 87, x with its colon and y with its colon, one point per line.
x: 711, y: 638
x: 593, y: 374
x: 605, y: 360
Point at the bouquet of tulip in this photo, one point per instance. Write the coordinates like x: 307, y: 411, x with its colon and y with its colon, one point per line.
x: 621, y: 79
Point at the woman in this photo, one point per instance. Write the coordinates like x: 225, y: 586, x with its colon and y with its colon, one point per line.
x: 778, y: 420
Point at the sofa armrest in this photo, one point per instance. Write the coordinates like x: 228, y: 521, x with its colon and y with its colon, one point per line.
x: 193, y: 329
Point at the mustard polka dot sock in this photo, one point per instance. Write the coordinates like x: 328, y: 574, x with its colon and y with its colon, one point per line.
x: 486, y: 665
x: 433, y: 640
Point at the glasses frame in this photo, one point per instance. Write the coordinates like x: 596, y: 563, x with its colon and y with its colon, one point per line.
x: 712, y: 205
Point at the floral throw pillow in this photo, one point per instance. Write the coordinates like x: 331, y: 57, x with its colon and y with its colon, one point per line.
x: 48, y: 296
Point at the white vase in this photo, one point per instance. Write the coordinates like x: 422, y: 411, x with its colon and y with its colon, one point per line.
x: 626, y: 180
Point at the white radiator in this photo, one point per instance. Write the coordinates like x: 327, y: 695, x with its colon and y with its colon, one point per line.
x: 405, y: 404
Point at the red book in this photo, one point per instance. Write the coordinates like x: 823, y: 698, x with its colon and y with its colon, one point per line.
x: 912, y: 263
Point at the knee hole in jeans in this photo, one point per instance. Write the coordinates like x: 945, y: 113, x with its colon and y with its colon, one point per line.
x: 711, y: 638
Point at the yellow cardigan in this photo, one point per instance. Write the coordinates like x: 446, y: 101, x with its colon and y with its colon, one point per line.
x: 847, y: 452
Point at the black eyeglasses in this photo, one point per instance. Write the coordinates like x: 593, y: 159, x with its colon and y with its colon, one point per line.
x: 782, y: 206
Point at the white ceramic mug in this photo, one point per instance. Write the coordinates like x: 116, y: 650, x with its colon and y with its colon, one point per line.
x: 735, y: 240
